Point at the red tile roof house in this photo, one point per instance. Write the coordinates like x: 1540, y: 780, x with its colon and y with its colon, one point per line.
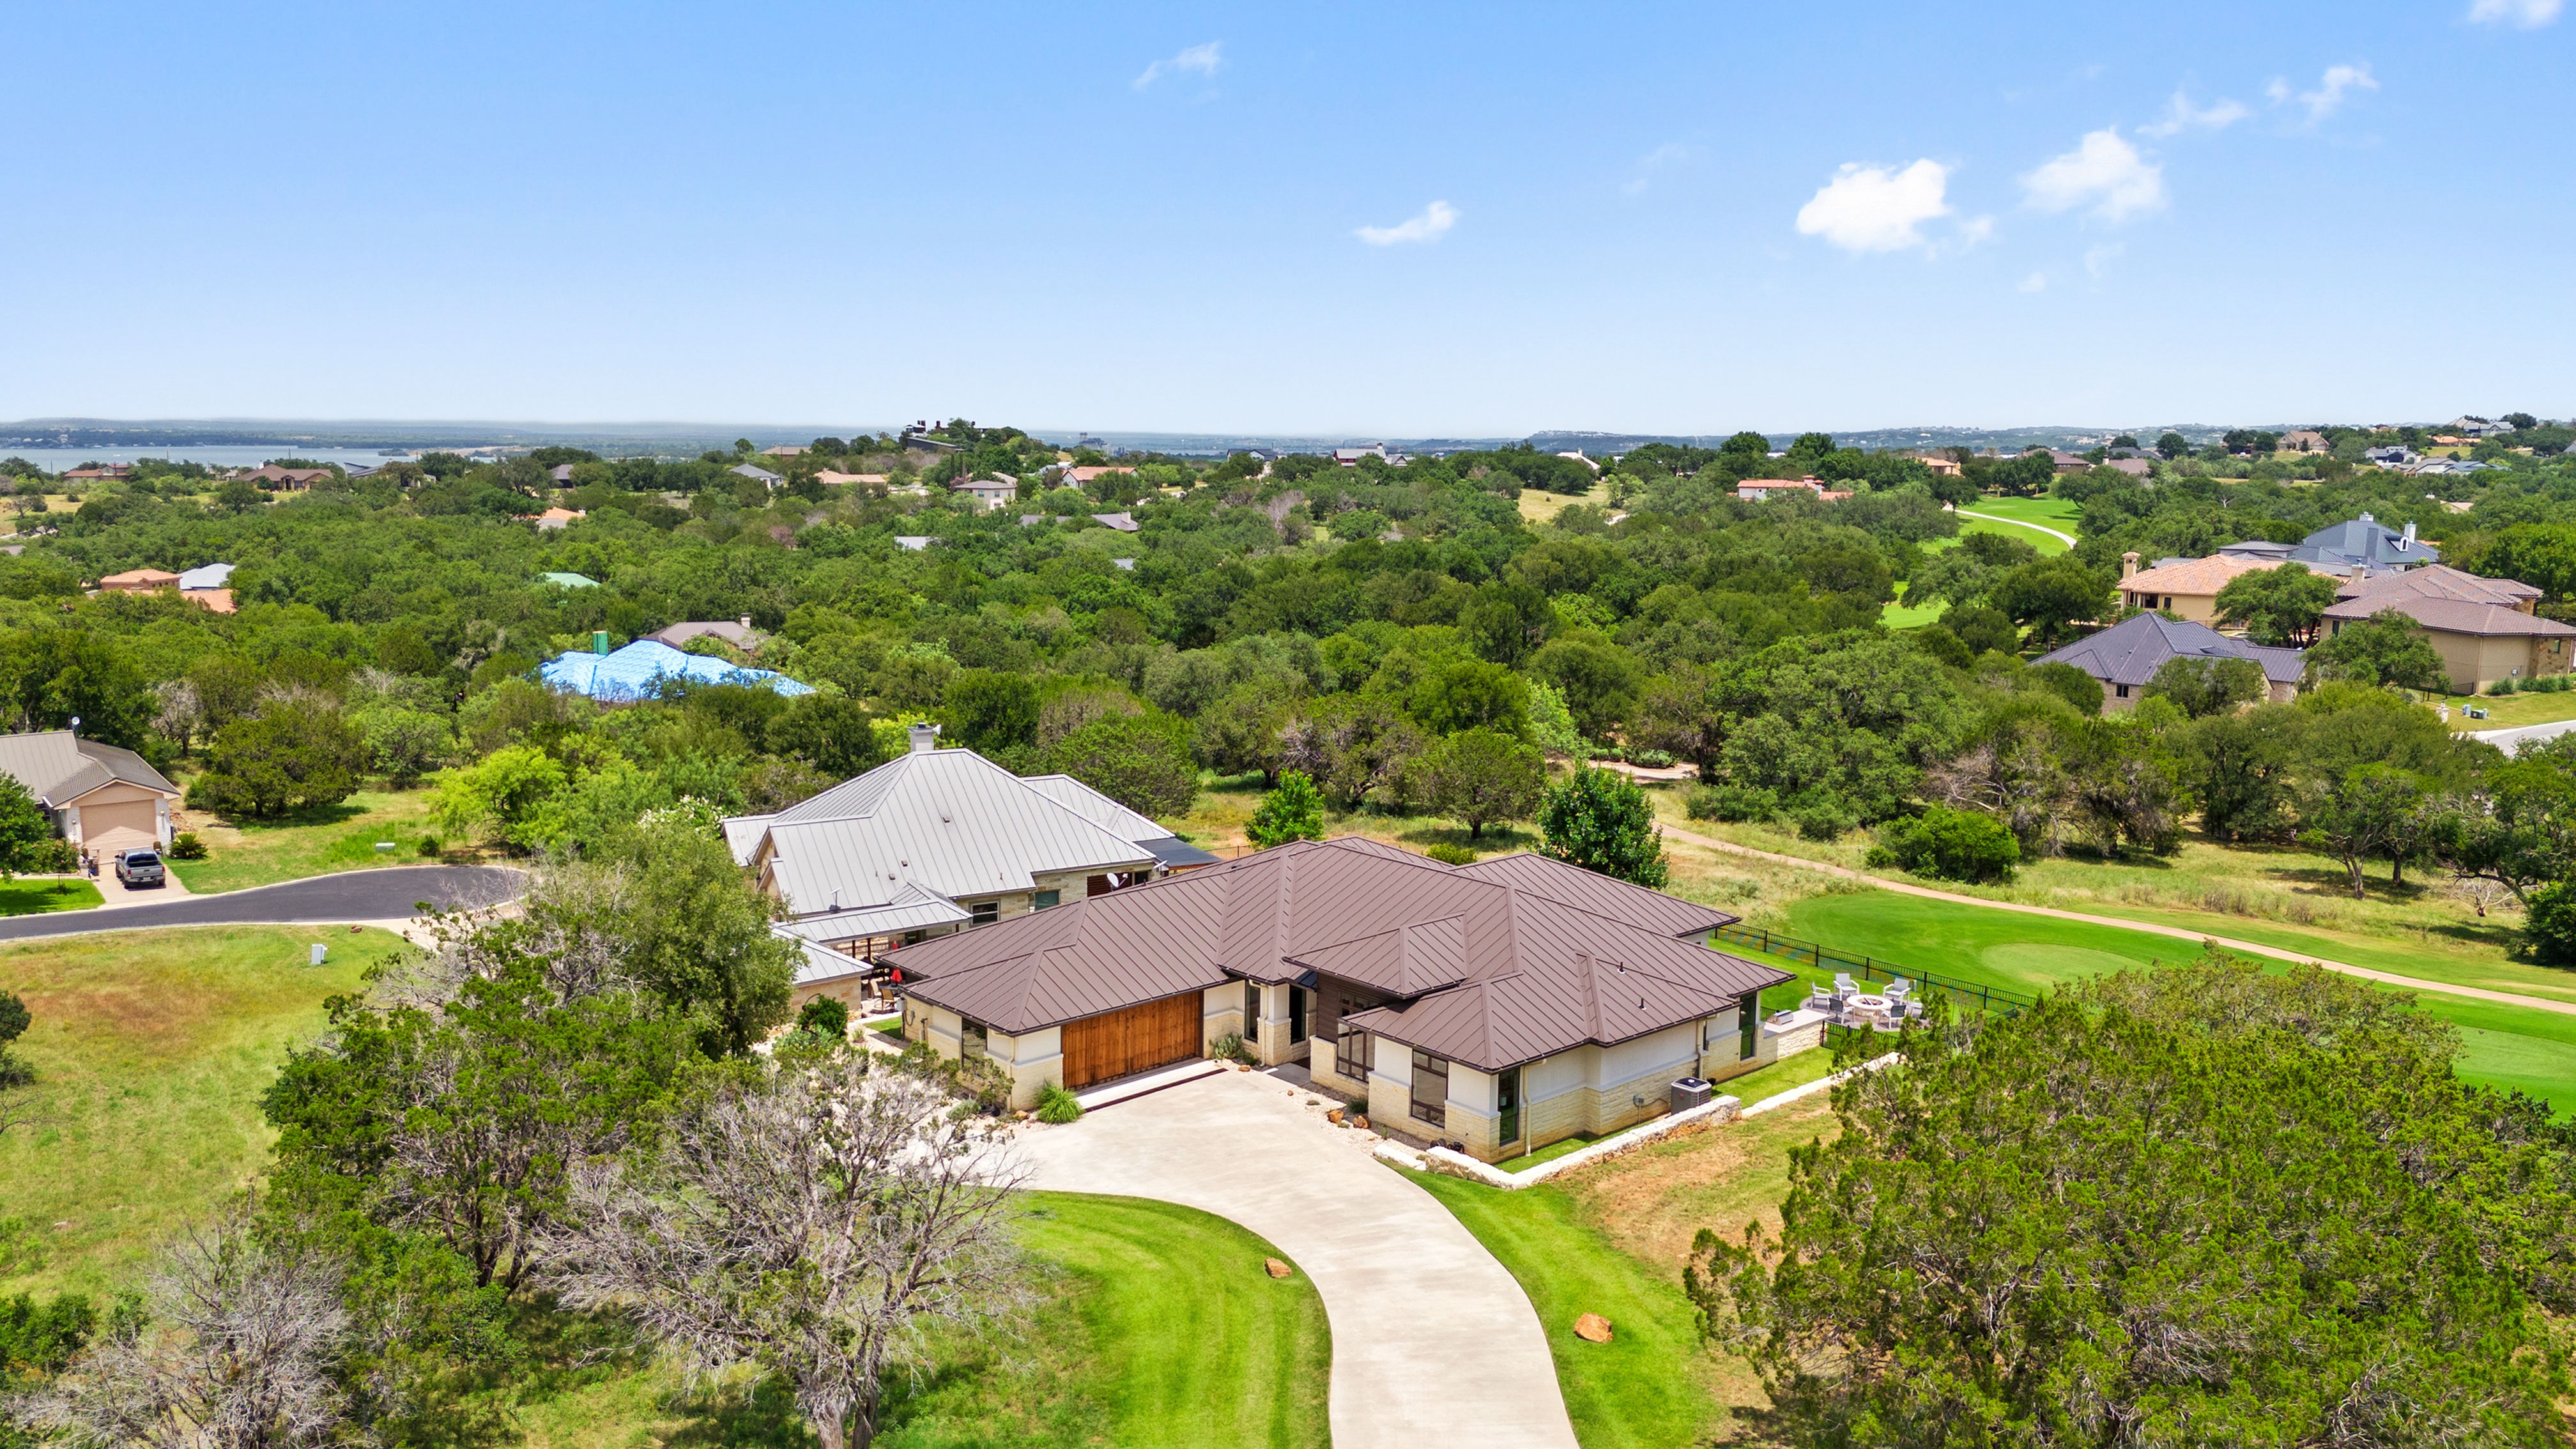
x: 1498, y: 1006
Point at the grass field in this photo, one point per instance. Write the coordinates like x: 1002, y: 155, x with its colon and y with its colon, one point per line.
x: 23, y: 897
x: 334, y: 838
x: 2056, y: 513
x: 2512, y: 710
x: 151, y: 1049
x: 1537, y: 505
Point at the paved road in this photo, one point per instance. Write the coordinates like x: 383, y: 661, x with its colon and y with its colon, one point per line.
x: 388, y: 894
x: 2511, y: 741
x: 1433, y: 1341
x: 2251, y: 948
x: 2020, y: 523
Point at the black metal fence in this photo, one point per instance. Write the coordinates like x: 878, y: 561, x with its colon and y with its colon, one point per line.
x: 1967, y: 996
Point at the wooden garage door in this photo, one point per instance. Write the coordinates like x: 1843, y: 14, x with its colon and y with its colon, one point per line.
x: 1115, y: 1043
x: 129, y: 825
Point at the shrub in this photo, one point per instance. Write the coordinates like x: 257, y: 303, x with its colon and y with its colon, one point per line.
x: 1600, y: 821
x: 1949, y: 844
x: 1057, y: 1105
x: 1448, y: 854
x: 50, y: 856
x: 2501, y: 686
x: 1729, y: 802
x: 1230, y: 1048
x: 186, y: 845
x: 1651, y: 759
x: 1822, y: 815
x: 429, y: 846
x: 824, y: 1016
x: 1294, y: 811
x: 2549, y: 919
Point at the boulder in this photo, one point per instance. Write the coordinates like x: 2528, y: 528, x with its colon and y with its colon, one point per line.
x: 1361, y: 1122
x: 1592, y: 1328
x: 1278, y: 1269
x: 1335, y: 1116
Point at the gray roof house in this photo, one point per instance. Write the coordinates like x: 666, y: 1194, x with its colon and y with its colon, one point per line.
x: 739, y: 634
x: 935, y: 839
x: 2128, y: 654
x: 1498, y: 1006
x: 102, y: 798
x: 2338, y: 548
x: 757, y: 473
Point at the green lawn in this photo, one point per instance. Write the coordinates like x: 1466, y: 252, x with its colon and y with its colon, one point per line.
x: 151, y: 1050
x: 2056, y: 513
x: 24, y: 897
x: 2512, y: 709
x: 1780, y: 1076
x: 1649, y: 1387
x: 1549, y: 1153
x: 317, y: 842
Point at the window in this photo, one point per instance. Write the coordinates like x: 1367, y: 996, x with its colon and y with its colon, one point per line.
x: 986, y: 912
x: 1046, y: 899
x: 2121, y: 690
x: 1351, y: 1053
x: 970, y: 1040
x: 1507, y: 1105
x: 1430, y: 1089
x: 1251, y: 1013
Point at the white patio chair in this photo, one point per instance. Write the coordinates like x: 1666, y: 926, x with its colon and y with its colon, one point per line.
x: 1899, y: 989
x: 1844, y: 985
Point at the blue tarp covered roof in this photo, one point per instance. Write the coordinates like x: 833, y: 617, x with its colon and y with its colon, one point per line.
x: 639, y: 671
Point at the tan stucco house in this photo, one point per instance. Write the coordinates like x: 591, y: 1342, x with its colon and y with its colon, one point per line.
x: 2186, y: 588
x: 1496, y: 1007
x: 101, y: 798
x: 2484, y: 629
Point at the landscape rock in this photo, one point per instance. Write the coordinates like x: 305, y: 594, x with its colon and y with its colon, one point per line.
x: 1592, y: 1328
x: 1335, y: 1116
x: 1360, y: 1122
x: 1282, y: 1270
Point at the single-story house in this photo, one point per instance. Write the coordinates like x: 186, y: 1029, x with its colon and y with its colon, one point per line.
x: 101, y: 798
x: 737, y: 633
x: 989, y: 493
x: 2484, y: 629
x: 209, y: 586
x: 783, y: 450
x: 934, y: 840
x: 2391, y: 457
x: 563, y: 580
x: 2134, y: 467
x: 557, y: 518
x: 756, y: 473
x: 2335, y: 548
x: 1082, y: 474
x: 1498, y: 1006
x: 1350, y: 457
x: 1941, y: 464
x: 2066, y: 462
x: 1122, y: 521
x: 641, y: 669
x: 2184, y: 587
x: 833, y: 477
x: 99, y: 474
x: 561, y: 473
x: 2306, y: 440
x: 272, y: 476
x: 912, y: 542
x: 138, y: 581
x: 1754, y: 490
x: 2128, y: 654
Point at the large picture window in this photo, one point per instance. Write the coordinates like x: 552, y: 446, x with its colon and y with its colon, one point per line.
x: 1430, y: 1089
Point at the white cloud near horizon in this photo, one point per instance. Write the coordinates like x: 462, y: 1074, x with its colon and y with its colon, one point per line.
x: 1203, y: 59
x: 1877, y: 208
x: 2181, y: 115
x: 2520, y: 14
x: 2104, y: 174
x: 1434, y: 219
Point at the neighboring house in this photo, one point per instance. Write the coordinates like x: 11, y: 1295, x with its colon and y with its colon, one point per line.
x: 756, y: 473
x: 2184, y: 587
x: 2306, y: 440
x: 641, y: 669
x: 561, y: 473
x: 2442, y: 467
x: 783, y: 450
x: 100, y: 474
x: 739, y: 634
x: 556, y: 518
x: 934, y: 840
x: 833, y: 477
x: 2134, y: 467
x: 2483, y: 628
x: 272, y: 476
x: 1121, y: 521
x: 989, y: 493
x: 1350, y: 457
x: 1754, y: 490
x: 1086, y: 473
x: 570, y: 581
x: 209, y: 587
x: 101, y: 798
x: 1499, y: 1006
x: 2394, y: 456
x: 1941, y: 464
x: 138, y: 581
x: 2335, y: 549
x: 912, y: 542
x: 2067, y: 462
x: 2125, y: 656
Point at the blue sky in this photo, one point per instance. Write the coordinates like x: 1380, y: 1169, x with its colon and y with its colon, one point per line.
x: 1401, y: 220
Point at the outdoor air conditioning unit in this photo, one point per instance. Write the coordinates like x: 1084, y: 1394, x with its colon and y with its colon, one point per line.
x: 1691, y: 1092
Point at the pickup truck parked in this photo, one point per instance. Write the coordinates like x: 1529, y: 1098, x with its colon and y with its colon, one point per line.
x: 138, y: 868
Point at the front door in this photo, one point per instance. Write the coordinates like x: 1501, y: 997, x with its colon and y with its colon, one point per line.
x: 1296, y: 1014
x: 1507, y: 1106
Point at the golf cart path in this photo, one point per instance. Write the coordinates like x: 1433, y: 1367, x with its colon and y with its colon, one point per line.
x: 387, y: 893
x: 2180, y: 933
x: 1433, y: 1341
x: 2019, y: 523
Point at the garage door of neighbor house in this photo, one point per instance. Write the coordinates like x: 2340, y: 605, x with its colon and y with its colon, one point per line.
x: 1115, y: 1043
x: 128, y: 825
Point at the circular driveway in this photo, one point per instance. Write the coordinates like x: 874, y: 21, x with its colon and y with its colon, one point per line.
x: 389, y: 894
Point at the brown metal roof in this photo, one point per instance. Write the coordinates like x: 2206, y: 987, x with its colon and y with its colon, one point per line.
x: 1491, y: 965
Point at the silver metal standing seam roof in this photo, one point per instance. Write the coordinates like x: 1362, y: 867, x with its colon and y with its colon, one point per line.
x: 58, y: 767
x: 1489, y: 972
x: 946, y: 821
x: 2131, y: 651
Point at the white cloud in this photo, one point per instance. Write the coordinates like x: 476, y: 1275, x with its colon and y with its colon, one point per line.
x: 2520, y: 14
x: 2338, y: 81
x: 1662, y: 158
x: 1204, y: 59
x: 1976, y: 231
x: 2097, y: 258
x: 1436, y: 218
x: 2102, y: 173
x: 2035, y: 282
x: 2181, y: 115
x: 2278, y: 89
x: 1876, y: 208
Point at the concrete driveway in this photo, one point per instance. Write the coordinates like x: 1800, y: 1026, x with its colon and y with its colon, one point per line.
x: 1433, y: 1341
x: 389, y: 894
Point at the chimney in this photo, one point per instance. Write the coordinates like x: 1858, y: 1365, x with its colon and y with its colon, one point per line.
x: 2128, y: 563
x: 925, y: 738
x: 2409, y: 540
x: 746, y: 621
x: 2360, y: 572
x: 598, y: 641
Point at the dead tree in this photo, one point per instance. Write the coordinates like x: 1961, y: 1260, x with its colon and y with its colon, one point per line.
x: 812, y: 1225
